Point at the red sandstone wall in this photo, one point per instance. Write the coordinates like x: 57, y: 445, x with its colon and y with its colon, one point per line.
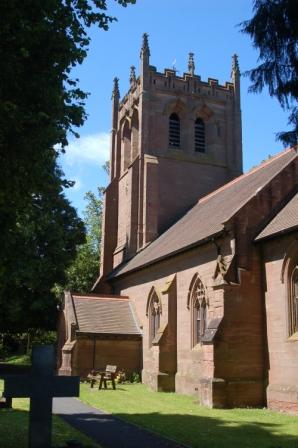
x: 124, y: 190
x: 240, y: 346
x: 229, y: 371
x: 182, y: 182
x: 125, y: 354
x: 193, y: 364
x: 109, y: 231
x: 282, y: 391
x: 61, y: 332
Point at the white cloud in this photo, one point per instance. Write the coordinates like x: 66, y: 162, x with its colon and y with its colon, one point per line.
x: 93, y: 148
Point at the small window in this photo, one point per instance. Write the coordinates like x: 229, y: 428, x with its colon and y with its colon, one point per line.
x: 154, y: 317
x: 199, y: 135
x: 293, y: 302
x: 199, y: 311
x: 174, y: 131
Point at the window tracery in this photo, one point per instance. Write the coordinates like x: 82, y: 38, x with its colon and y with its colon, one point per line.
x: 199, y: 312
x: 153, y: 312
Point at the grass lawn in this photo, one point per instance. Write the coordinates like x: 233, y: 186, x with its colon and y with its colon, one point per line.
x: 180, y: 418
x: 14, y: 427
x: 18, y: 360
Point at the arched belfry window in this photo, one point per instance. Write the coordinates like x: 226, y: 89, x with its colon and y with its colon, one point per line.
x: 199, y: 312
x: 153, y: 313
x: 174, y: 131
x: 293, y: 302
x: 199, y: 135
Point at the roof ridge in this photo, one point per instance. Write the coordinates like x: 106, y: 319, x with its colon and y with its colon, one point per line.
x: 100, y: 297
x: 276, y: 216
x: 244, y: 175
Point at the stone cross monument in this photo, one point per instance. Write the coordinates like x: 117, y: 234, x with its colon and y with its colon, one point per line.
x: 41, y: 385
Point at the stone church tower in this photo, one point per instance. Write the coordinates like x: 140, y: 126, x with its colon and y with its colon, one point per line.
x: 174, y: 139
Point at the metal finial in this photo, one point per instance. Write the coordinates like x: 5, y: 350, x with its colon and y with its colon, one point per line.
x: 132, y: 76
x: 235, y: 64
x: 116, y: 93
x: 191, y: 63
x: 145, y: 45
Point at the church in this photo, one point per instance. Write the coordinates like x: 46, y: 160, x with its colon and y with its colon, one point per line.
x: 198, y: 284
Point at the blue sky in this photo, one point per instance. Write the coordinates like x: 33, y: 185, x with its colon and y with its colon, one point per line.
x: 175, y: 27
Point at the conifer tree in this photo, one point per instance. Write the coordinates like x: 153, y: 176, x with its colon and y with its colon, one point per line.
x: 274, y: 32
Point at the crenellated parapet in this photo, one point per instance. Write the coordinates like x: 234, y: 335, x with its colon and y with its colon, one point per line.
x: 187, y: 84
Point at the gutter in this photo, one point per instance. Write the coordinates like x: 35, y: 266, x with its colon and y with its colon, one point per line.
x: 114, y: 276
x: 109, y: 335
x: 276, y: 234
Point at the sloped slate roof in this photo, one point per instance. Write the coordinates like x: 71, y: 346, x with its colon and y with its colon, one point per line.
x: 105, y: 315
x: 285, y: 220
x: 208, y: 216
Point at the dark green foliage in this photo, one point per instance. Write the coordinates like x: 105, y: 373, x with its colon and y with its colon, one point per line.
x: 274, y: 31
x: 40, y: 104
x: 134, y: 377
x: 41, y: 245
x: 15, y: 348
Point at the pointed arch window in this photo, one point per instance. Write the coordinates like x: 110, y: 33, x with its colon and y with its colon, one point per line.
x: 293, y: 302
x: 154, y: 317
x: 174, y: 131
x: 199, y: 312
x: 199, y: 135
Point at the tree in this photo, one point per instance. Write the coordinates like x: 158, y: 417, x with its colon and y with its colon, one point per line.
x: 274, y: 31
x: 84, y: 270
x: 43, y: 244
x: 106, y: 167
x: 40, y: 104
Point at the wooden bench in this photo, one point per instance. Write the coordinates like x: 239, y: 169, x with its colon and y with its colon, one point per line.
x: 93, y: 377
x: 108, y: 375
x: 102, y: 377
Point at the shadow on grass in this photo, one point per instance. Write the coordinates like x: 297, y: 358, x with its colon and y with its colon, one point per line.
x: 186, y: 430
x: 14, y: 431
x: 13, y: 428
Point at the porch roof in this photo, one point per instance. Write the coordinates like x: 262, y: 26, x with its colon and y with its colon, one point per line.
x: 104, y: 314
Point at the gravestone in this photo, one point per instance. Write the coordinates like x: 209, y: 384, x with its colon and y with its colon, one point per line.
x: 41, y: 385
